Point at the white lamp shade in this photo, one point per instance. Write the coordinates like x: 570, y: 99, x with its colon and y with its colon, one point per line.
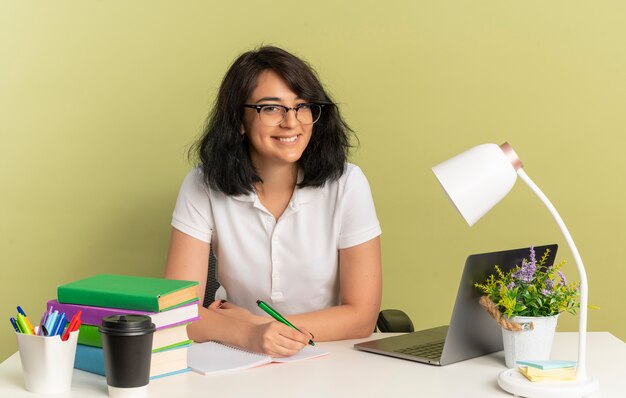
x: 476, y: 180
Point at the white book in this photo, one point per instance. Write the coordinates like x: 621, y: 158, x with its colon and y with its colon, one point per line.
x: 168, y: 362
x: 164, y: 338
x: 212, y: 357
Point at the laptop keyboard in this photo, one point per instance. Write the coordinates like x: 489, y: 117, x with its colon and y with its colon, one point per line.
x: 431, y: 350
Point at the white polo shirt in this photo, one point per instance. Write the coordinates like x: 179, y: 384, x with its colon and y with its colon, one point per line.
x: 293, y: 262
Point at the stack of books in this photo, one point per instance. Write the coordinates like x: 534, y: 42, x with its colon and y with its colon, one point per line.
x: 548, y: 370
x: 171, y: 304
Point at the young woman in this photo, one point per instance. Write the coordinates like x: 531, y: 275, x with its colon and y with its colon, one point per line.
x: 291, y: 223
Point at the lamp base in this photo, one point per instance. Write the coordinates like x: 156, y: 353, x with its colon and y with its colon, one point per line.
x: 514, y: 382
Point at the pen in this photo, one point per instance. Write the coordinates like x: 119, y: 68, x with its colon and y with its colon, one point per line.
x: 60, y: 325
x: 46, y: 331
x: 14, y: 323
x: 74, y: 325
x: 21, y: 323
x: 42, y: 324
x: 274, y: 314
x: 30, y: 325
x: 51, y: 321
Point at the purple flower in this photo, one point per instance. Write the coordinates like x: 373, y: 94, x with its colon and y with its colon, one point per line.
x: 510, y: 285
x: 563, y: 280
x: 549, y: 283
x: 526, y: 273
x: 533, y: 259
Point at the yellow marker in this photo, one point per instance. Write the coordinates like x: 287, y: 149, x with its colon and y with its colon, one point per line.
x: 30, y: 325
x: 21, y: 321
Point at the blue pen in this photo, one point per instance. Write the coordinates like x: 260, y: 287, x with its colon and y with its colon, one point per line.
x: 60, y: 325
x: 55, y: 325
x: 51, y: 321
x: 14, y: 323
x: 45, y: 322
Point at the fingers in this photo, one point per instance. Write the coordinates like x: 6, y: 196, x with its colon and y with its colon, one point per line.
x: 294, y: 335
x: 279, y: 340
x: 306, y: 332
x: 217, y: 304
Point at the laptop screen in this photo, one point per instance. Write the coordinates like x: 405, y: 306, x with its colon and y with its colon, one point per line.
x: 472, y: 331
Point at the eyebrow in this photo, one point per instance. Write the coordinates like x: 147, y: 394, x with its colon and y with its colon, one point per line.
x: 274, y: 99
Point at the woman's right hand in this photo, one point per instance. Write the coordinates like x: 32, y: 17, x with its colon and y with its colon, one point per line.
x: 276, y: 339
x: 230, y: 324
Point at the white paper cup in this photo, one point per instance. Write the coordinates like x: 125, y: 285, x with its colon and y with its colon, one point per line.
x: 47, y: 362
x: 128, y: 392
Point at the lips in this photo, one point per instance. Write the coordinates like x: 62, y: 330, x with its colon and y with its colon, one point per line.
x: 287, y: 140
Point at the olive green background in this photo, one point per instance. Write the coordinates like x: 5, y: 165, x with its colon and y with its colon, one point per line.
x: 100, y: 100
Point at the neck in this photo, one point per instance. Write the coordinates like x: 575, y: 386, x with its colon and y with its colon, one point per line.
x: 277, y: 178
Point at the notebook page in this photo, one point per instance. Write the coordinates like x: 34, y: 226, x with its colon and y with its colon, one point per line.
x: 305, y: 353
x: 212, y: 357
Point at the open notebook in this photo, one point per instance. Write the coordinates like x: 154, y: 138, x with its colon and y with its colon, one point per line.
x: 211, y: 357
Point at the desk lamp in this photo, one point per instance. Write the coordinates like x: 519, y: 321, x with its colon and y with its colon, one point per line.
x: 475, y: 181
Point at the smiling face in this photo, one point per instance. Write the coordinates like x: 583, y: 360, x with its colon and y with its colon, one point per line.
x: 281, y: 144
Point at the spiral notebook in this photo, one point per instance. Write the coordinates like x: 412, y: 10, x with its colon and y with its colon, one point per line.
x: 212, y: 357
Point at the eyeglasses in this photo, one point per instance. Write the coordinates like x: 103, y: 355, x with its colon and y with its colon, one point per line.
x: 273, y: 115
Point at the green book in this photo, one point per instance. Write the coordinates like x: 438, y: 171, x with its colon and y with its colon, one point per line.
x: 128, y: 292
x: 89, y: 335
x: 162, y: 340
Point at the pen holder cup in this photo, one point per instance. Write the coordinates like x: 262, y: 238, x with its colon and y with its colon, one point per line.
x: 47, y: 362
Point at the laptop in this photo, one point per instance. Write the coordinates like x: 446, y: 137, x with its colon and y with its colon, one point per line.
x: 472, y: 332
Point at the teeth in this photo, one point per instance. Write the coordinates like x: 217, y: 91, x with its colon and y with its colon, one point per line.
x: 290, y: 139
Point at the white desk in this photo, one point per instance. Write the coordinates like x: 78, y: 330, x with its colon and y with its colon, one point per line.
x: 350, y: 373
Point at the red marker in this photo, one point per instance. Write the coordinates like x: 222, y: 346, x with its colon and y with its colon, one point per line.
x: 73, y: 326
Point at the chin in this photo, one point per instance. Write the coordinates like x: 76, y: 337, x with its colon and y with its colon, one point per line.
x: 291, y: 157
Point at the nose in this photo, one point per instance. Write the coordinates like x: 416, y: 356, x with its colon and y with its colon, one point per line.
x: 290, y: 120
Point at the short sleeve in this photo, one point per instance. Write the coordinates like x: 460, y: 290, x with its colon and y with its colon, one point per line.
x: 358, y: 215
x: 192, y: 214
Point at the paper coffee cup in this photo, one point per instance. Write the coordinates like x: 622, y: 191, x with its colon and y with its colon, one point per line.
x: 47, y: 362
x: 129, y: 392
x: 127, y: 347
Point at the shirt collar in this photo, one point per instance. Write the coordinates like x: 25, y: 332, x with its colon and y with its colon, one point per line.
x: 245, y: 197
x: 300, y: 196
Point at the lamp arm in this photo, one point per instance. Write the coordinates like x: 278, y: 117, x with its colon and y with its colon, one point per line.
x: 581, y: 371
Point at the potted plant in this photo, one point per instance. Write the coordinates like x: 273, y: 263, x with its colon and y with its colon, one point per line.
x: 527, y: 301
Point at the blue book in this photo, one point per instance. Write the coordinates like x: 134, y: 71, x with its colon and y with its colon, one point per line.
x: 90, y: 359
x: 163, y: 363
x: 548, y: 364
x: 170, y: 373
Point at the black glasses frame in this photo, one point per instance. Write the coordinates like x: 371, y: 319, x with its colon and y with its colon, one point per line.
x: 296, y: 108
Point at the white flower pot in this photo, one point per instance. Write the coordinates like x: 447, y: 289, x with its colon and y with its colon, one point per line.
x: 529, y: 344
